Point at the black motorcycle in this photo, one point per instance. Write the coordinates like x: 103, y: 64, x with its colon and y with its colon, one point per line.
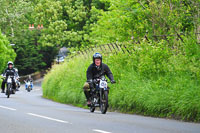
x: 10, y: 89
x: 99, y: 95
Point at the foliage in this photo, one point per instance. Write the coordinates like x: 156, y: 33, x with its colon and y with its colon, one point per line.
x: 15, y: 19
x: 55, y: 86
x: 153, y: 80
x: 6, y: 53
x: 13, y: 16
x: 131, y: 20
x: 67, y: 22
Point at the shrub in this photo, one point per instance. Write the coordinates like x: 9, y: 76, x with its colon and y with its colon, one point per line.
x: 153, y: 80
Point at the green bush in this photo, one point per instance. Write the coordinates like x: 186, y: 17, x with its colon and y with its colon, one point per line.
x: 64, y: 82
x: 6, y: 53
x: 153, y: 80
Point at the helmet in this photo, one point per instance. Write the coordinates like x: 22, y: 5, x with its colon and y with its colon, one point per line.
x: 97, y: 56
x: 10, y: 62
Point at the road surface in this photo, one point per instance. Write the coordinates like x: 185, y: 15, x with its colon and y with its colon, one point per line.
x: 28, y: 112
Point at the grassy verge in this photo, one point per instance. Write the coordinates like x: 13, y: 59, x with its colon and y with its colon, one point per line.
x: 154, y: 80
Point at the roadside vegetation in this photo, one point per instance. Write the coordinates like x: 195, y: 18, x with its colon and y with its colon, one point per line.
x: 6, y: 53
x: 158, y: 76
x: 152, y: 80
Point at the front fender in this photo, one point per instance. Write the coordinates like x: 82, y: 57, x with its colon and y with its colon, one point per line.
x: 106, y: 89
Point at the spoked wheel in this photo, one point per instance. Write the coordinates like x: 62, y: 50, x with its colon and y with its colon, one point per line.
x: 104, y: 102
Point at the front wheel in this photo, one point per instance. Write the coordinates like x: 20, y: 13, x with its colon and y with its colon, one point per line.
x: 29, y: 89
x: 92, y: 109
x: 104, y: 102
x: 8, y: 91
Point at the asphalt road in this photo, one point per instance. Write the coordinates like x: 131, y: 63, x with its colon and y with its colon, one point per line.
x: 28, y: 112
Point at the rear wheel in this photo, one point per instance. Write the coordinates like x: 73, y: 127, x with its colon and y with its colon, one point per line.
x: 104, y: 102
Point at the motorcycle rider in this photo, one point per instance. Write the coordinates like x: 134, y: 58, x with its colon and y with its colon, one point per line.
x: 94, y: 71
x: 18, y: 82
x: 10, y: 71
x: 29, y: 79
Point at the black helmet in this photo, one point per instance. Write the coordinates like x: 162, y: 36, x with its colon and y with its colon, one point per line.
x: 97, y: 56
x: 10, y: 62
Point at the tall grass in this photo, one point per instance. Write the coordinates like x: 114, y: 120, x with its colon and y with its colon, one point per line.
x: 154, y: 80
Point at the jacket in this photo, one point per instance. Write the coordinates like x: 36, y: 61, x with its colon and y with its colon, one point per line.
x: 93, y: 72
x: 10, y: 72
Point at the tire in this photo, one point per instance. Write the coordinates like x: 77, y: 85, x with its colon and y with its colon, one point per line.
x: 8, y: 90
x: 104, y: 102
x: 92, y: 109
x: 28, y: 89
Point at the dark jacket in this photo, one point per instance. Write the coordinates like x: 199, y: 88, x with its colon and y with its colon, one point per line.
x: 10, y: 72
x: 93, y: 72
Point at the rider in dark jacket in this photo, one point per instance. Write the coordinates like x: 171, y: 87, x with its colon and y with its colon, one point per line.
x: 94, y: 71
x: 10, y: 71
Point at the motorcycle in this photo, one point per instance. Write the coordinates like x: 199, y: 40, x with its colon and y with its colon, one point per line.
x: 99, y: 95
x: 28, y: 85
x: 10, y: 90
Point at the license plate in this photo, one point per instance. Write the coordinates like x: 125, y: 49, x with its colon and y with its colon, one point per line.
x: 103, y: 84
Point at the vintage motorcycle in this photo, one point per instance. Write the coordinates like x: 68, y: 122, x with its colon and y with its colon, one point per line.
x: 99, y: 95
x: 10, y: 89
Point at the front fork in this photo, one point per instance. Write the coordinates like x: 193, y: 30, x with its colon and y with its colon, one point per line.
x: 101, y: 93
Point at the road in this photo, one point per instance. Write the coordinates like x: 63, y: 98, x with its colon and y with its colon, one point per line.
x: 28, y: 112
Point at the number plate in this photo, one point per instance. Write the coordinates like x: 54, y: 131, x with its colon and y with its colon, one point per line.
x: 9, y: 80
x: 103, y: 84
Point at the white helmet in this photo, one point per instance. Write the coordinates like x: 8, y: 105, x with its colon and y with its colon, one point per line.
x: 10, y: 62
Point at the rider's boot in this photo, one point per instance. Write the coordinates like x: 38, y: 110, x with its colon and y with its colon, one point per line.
x: 87, y: 94
x: 3, y: 87
x: 3, y: 91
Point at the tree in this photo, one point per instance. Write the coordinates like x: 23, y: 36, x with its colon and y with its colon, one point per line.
x: 67, y: 22
x: 12, y: 15
x: 6, y: 52
x: 133, y: 19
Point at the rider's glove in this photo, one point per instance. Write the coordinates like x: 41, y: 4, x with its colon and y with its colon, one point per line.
x: 113, y: 81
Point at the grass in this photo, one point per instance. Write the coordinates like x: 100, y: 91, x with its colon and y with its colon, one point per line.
x: 152, y: 81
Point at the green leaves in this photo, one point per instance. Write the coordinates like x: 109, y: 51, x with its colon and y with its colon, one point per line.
x: 6, y: 52
x: 134, y: 19
x: 48, y: 11
x: 67, y: 22
x: 55, y: 34
x: 12, y: 15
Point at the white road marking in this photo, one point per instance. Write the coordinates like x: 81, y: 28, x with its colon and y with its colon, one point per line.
x: 45, y: 117
x: 36, y: 90
x: 7, y: 108
x: 100, y: 131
